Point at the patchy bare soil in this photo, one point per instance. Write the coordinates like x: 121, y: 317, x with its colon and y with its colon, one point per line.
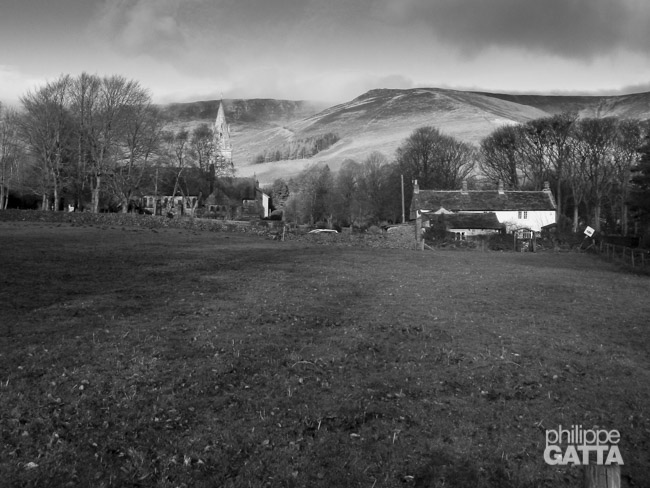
x: 168, y: 357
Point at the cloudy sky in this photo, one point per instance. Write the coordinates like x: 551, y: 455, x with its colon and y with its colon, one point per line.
x: 328, y: 50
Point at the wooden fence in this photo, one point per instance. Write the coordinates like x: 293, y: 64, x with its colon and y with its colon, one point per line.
x: 637, y: 258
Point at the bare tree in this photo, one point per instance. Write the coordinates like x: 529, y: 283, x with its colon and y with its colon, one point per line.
x: 139, y: 140
x: 536, y: 153
x: 347, y: 190
x: 596, y: 139
x: 45, y: 127
x: 372, y: 185
x: 576, y: 174
x: 201, y: 150
x: 115, y: 98
x: 501, y: 156
x: 9, y: 153
x: 629, y: 138
x: 558, y: 133
x: 438, y: 161
x: 312, y: 196
x: 175, y: 149
x: 640, y: 188
x: 84, y: 105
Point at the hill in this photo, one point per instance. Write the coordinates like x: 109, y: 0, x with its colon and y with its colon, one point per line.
x: 381, y: 119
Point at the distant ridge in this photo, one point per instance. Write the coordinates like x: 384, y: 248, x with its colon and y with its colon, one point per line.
x: 381, y: 119
x: 636, y: 105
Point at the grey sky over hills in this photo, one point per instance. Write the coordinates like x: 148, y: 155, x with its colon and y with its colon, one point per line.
x: 185, y: 50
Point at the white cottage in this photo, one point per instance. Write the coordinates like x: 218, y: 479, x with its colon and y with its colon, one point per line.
x: 513, y: 209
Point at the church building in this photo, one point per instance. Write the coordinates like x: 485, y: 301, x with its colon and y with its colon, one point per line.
x: 231, y: 198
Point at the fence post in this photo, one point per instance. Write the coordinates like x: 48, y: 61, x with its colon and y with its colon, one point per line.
x: 632, y: 253
x: 602, y: 476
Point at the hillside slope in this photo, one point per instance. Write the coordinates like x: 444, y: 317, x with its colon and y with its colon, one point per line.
x: 633, y: 106
x: 381, y: 119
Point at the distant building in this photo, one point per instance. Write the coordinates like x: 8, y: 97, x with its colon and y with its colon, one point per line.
x: 230, y: 198
x: 170, y: 205
x: 237, y: 199
x: 474, y: 212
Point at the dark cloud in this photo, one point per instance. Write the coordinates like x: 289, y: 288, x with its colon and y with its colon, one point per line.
x: 578, y: 29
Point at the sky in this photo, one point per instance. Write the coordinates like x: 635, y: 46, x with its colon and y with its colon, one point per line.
x: 328, y: 50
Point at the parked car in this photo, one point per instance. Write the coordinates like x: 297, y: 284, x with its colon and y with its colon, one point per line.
x: 323, y: 231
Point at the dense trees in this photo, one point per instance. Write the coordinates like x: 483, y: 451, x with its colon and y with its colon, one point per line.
x: 100, y: 141
x: 640, y: 185
x: 437, y: 161
x: 141, y: 129
x: 370, y: 192
x: 589, y: 161
x: 298, y: 148
x: 501, y: 159
x: 359, y: 194
x: 10, y: 156
x: 524, y: 156
x: 46, y: 129
x: 87, y: 136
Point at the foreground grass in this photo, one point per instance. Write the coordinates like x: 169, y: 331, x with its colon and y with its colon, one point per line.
x: 169, y: 358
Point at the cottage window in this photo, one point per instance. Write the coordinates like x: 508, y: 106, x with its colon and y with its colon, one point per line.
x: 523, y: 215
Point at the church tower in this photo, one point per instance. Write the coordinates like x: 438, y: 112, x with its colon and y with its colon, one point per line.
x: 222, y: 155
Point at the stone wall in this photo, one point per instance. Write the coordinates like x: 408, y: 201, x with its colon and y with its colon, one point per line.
x: 397, y: 238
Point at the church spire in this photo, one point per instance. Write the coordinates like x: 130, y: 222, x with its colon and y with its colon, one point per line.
x: 222, y: 155
x: 221, y: 130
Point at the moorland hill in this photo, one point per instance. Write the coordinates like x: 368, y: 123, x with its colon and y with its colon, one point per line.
x: 380, y: 120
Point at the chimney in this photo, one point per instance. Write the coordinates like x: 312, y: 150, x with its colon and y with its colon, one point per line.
x: 547, y: 187
x: 501, y: 192
x: 416, y: 188
x: 464, y: 190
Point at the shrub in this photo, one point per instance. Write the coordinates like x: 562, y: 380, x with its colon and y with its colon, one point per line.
x: 500, y: 242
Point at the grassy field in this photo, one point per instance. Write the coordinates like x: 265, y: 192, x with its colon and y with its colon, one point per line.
x: 133, y: 357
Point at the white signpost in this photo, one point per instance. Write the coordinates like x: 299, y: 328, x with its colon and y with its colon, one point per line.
x: 589, y: 231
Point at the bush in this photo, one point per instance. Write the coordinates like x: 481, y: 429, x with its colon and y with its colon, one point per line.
x: 500, y: 242
x: 435, y: 232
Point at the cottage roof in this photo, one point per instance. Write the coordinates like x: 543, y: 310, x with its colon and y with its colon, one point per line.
x: 232, y: 191
x: 485, y: 200
x: 487, y: 220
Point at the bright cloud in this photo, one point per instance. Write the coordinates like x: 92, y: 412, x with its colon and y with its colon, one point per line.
x: 142, y: 27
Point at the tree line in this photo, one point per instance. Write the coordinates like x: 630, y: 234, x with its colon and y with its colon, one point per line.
x: 298, y: 149
x: 370, y: 192
x: 588, y: 161
x: 593, y: 165
x: 100, y: 142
